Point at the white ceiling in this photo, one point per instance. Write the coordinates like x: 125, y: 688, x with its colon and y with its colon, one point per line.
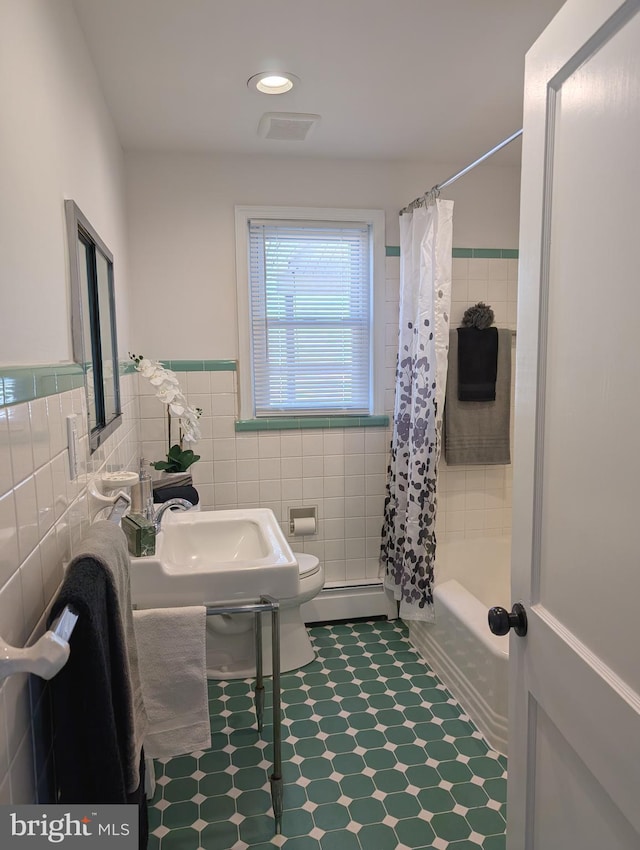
x: 439, y: 80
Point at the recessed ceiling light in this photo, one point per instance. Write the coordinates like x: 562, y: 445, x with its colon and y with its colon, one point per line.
x: 271, y: 82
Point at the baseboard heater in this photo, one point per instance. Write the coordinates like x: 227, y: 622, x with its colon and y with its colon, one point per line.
x: 345, y: 602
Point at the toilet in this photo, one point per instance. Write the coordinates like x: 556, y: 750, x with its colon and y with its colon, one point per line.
x: 230, y: 637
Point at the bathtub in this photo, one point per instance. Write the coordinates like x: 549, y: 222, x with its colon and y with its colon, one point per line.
x: 471, y: 576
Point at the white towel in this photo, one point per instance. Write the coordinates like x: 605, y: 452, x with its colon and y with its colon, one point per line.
x: 171, y: 651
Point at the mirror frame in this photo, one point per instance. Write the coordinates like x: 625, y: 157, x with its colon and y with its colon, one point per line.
x: 80, y: 228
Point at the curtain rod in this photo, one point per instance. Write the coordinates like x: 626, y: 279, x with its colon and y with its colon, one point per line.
x: 435, y: 190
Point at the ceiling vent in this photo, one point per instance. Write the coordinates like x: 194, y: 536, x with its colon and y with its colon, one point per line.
x: 287, y: 126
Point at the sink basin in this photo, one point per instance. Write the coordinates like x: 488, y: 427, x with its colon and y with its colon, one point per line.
x: 216, y: 540
x: 210, y: 557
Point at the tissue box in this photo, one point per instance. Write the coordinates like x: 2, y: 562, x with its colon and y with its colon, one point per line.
x: 140, y: 534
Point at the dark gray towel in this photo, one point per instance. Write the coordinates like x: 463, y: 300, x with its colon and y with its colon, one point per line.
x: 91, y: 695
x: 477, y: 432
x: 94, y: 722
x: 163, y: 494
x: 477, y: 364
x: 106, y: 546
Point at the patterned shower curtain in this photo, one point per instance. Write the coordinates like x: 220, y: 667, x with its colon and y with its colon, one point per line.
x: 408, y: 536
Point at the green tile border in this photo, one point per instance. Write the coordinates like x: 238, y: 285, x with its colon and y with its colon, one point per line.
x: 201, y: 365
x: 20, y: 384
x: 486, y: 253
x: 469, y: 253
x: 127, y: 366
x: 305, y: 422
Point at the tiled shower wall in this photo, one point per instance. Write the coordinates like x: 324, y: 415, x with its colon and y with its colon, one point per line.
x: 475, y: 501
x: 43, y: 515
x: 341, y: 471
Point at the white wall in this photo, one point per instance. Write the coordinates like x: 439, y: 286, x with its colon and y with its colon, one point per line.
x: 57, y: 141
x: 182, y: 241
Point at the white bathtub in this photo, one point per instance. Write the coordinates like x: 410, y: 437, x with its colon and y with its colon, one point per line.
x: 471, y: 576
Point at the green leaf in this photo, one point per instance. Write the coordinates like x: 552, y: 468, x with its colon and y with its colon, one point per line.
x: 178, y: 460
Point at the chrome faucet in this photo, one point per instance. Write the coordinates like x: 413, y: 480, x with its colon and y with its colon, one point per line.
x: 181, y: 504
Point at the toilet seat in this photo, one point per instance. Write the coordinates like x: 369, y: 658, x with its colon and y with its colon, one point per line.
x: 308, y: 565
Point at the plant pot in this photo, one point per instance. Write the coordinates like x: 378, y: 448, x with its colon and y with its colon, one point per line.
x: 176, y: 479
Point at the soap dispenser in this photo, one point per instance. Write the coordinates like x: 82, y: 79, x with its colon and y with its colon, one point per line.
x: 146, y: 487
x: 138, y: 526
x: 142, y: 494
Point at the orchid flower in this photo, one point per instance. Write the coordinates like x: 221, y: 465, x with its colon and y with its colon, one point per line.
x: 167, y: 387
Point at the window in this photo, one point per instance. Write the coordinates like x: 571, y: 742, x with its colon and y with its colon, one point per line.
x: 308, y: 287
x: 93, y: 323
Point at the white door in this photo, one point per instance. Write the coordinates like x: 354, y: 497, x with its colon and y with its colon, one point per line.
x: 574, y: 747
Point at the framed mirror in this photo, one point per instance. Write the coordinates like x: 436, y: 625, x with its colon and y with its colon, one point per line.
x: 93, y: 323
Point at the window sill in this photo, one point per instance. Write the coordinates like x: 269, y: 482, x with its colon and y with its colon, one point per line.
x: 276, y: 423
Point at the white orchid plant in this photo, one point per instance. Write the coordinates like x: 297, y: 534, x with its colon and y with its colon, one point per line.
x: 167, y: 388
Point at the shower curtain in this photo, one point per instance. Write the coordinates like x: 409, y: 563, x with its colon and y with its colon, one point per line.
x: 408, y: 536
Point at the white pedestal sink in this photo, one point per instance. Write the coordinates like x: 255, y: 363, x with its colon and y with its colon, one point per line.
x: 210, y: 557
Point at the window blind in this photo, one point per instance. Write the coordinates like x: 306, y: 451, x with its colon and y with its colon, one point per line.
x: 311, y: 308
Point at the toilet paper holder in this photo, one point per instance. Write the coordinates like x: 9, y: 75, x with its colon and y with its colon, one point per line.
x: 309, y: 513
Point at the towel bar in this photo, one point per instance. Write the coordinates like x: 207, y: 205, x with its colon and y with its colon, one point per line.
x: 47, y: 656
x: 265, y: 604
x: 120, y: 505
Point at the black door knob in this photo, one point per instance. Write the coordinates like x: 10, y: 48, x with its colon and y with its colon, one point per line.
x: 500, y: 620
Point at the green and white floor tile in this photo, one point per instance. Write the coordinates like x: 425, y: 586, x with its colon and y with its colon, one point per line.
x: 377, y: 756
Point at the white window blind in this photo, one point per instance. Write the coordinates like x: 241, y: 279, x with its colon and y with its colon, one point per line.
x: 311, y: 309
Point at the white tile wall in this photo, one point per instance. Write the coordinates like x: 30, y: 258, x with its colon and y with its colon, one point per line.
x: 42, y: 518
x: 341, y: 472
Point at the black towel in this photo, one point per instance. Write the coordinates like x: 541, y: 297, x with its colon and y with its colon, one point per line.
x: 163, y: 494
x: 91, y: 697
x: 477, y: 364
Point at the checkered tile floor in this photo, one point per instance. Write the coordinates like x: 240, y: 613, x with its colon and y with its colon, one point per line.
x: 377, y: 756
